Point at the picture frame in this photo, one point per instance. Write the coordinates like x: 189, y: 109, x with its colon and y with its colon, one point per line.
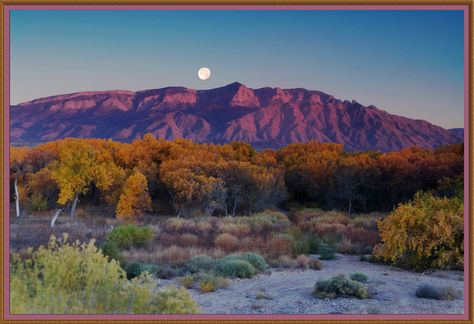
x: 466, y: 5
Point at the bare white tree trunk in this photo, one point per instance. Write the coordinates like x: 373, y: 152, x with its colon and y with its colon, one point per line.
x: 56, y: 215
x: 17, y: 199
x: 74, y: 204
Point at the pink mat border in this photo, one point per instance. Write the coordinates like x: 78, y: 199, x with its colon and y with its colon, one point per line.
x: 6, y: 154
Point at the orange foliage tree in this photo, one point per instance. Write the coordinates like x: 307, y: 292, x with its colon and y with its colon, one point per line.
x: 134, y: 200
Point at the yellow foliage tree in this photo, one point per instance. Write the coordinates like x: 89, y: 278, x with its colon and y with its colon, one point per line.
x: 74, y: 171
x: 426, y: 232
x: 134, y: 200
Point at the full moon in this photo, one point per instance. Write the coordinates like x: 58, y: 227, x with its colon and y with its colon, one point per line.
x: 204, y: 73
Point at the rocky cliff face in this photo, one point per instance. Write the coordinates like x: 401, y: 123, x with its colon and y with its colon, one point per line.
x: 266, y: 117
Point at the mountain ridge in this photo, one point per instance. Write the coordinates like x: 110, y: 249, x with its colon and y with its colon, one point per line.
x: 264, y: 117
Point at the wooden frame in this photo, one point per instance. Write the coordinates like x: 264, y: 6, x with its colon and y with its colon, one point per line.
x: 5, y: 4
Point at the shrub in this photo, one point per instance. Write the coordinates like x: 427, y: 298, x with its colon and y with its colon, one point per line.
x: 426, y: 232
x: 232, y: 267
x: 203, y: 227
x: 187, y: 281
x: 175, y: 254
x: 174, y: 224
x: 267, y: 222
x: 339, y: 286
x: 315, y: 264
x: 359, y: 276
x: 226, y: 241
x: 200, y: 263
x: 326, y: 251
x: 111, y: 250
x: 302, y: 261
x: 210, y: 282
x: 78, y: 279
x: 346, y: 246
x: 135, y: 269
x: 286, y: 261
x: 279, y: 245
x: 165, y: 271
x: 125, y: 237
x: 189, y: 240
x: 305, y: 244
x: 255, y: 260
x: 438, y: 293
x: 174, y: 300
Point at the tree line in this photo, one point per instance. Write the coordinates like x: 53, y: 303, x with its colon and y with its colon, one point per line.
x: 185, y: 178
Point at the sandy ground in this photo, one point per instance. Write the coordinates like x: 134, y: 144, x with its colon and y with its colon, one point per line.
x: 289, y: 292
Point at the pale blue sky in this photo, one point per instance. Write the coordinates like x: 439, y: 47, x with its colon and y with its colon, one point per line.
x: 406, y: 62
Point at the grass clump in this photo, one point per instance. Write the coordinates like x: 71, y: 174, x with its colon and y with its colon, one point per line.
x: 438, y: 293
x: 359, y: 276
x: 339, y: 286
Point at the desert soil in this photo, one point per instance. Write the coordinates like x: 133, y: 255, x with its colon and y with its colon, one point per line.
x: 289, y: 292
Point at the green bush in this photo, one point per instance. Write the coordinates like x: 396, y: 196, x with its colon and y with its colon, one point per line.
x: 232, y: 267
x: 200, y: 263
x: 78, y: 279
x: 126, y: 237
x: 37, y: 203
x: 255, y: 260
x: 339, y: 286
x: 326, y: 251
x: 359, y: 276
x: 305, y: 244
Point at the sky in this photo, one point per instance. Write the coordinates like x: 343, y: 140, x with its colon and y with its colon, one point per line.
x: 409, y: 63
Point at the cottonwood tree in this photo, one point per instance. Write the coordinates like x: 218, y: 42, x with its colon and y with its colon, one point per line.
x: 74, y: 171
x: 192, y: 191
x: 134, y: 200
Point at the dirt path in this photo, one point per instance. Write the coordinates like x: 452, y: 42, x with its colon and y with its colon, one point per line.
x: 289, y: 292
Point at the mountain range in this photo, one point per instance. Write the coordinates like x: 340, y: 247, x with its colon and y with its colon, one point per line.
x: 265, y: 117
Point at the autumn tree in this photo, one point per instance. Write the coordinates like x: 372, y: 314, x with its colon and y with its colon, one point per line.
x: 191, y: 189
x: 74, y: 171
x: 309, y: 170
x: 134, y: 200
x: 41, y: 185
x: 250, y: 188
